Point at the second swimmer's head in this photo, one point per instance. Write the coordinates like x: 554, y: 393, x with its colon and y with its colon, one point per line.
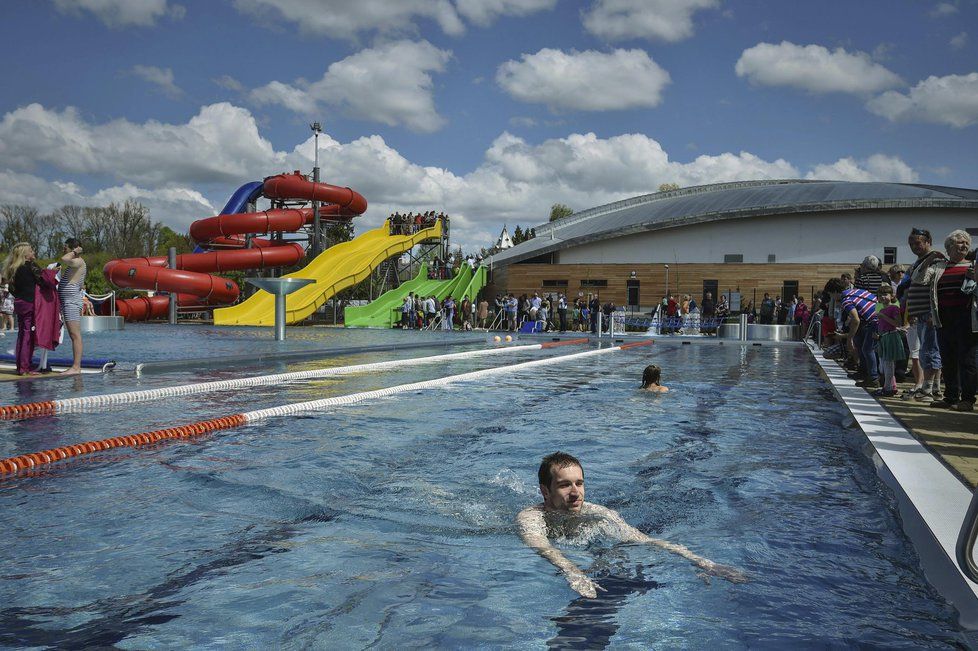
x: 651, y: 375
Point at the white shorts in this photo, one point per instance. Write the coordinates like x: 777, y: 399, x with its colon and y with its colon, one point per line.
x: 913, y: 341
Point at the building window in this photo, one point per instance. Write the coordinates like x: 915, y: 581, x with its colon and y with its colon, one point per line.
x: 555, y: 283
x: 591, y: 282
x: 771, y: 257
x: 546, y: 258
x: 889, y: 255
x: 733, y: 257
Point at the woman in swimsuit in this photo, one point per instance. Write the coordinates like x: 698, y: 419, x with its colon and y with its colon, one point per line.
x: 71, y: 292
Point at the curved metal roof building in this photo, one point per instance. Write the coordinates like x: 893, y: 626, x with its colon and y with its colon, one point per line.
x: 733, y: 201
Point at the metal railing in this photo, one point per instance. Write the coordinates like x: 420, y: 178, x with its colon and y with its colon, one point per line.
x: 966, y: 541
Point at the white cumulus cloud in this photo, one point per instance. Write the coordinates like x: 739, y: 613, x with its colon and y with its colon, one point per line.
x: 943, y: 9
x: 814, y: 68
x: 587, y: 81
x: 123, y: 13
x: 484, y: 12
x: 657, y: 20
x: 959, y: 41
x: 176, y: 207
x: 878, y: 167
x: 162, y: 78
x: 219, y: 144
x: 951, y: 100
x: 391, y: 84
x: 344, y: 19
x: 186, y: 171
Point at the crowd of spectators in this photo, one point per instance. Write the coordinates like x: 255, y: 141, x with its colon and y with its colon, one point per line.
x: 429, y: 312
x: 411, y: 223
x: 916, y: 321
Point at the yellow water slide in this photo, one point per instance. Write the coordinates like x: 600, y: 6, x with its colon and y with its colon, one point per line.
x: 334, y: 270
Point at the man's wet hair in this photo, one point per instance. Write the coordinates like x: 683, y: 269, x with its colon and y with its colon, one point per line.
x: 556, y: 460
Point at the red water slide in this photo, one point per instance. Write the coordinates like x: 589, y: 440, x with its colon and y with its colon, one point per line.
x: 192, y: 281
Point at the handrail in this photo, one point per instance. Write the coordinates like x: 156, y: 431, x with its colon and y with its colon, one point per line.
x: 966, y: 541
x: 497, y: 319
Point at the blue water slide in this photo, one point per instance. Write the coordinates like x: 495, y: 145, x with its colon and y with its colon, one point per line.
x: 247, y: 193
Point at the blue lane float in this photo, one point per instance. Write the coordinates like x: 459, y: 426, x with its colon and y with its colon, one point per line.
x: 89, y: 365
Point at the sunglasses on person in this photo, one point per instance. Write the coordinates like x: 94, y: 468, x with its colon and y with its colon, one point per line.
x: 920, y: 231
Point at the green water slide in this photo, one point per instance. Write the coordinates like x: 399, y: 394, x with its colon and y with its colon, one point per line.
x: 385, y: 311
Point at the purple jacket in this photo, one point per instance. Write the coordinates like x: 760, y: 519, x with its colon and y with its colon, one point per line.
x: 47, y: 311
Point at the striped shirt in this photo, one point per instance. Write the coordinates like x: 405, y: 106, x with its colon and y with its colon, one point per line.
x: 949, y: 292
x: 916, y: 296
x: 862, y: 301
x: 870, y: 281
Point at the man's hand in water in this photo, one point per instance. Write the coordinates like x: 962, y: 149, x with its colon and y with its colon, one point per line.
x: 727, y: 572
x: 583, y: 585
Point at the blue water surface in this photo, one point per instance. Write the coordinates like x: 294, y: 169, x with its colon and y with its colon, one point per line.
x: 390, y: 523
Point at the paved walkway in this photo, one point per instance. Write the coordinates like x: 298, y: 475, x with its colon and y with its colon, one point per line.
x: 952, y: 436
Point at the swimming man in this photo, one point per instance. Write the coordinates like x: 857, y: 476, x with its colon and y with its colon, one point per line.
x: 564, y: 513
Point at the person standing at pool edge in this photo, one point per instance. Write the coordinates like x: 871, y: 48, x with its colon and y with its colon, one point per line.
x: 564, y: 513
x: 71, y: 292
x: 21, y: 267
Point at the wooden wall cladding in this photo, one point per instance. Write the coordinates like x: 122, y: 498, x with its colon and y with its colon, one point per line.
x: 683, y: 279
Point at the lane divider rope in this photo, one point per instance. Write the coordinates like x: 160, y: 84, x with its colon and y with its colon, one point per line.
x: 65, y: 405
x: 13, y: 465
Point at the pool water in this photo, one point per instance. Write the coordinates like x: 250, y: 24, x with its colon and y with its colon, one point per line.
x: 390, y: 524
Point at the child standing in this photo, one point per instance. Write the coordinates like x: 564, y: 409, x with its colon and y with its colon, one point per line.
x: 890, y: 345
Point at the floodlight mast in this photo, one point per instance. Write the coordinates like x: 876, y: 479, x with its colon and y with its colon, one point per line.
x: 316, y: 244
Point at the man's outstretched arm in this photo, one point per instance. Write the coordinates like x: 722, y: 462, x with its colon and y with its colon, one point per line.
x: 631, y: 534
x: 533, y: 531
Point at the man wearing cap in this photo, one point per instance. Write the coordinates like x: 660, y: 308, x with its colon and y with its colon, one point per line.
x: 868, y: 275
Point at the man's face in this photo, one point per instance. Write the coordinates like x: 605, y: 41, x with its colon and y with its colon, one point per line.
x: 566, y: 490
x: 919, y: 245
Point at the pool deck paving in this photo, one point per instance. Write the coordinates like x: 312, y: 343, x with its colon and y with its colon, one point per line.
x: 951, y: 435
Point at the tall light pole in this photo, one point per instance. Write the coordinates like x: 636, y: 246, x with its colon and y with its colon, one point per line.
x: 667, y: 281
x: 316, y: 244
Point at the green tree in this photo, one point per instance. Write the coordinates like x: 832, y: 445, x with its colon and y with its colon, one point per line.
x: 668, y: 187
x: 520, y: 235
x: 169, y: 237
x: 559, y: 211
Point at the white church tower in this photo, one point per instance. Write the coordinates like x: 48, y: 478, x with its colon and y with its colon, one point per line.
x: 504, y: 241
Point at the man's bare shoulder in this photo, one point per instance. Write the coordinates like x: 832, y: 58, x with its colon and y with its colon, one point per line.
x: 531, y: 513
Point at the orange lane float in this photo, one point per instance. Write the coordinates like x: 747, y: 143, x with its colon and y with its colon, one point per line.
x: 34, y: 460
x: 636, y: 344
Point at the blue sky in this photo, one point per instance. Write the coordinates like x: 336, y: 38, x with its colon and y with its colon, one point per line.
x: 491, y: 110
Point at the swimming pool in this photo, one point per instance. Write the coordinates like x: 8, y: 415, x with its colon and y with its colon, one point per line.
x: 391, y: 524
